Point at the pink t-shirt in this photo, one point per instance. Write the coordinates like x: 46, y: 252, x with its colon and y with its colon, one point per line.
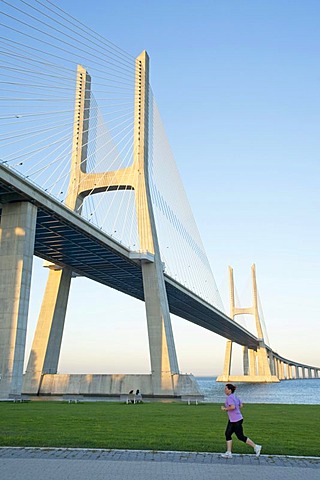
x: 234, y: 415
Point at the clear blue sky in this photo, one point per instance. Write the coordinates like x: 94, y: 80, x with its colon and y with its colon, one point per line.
x: 238, y: 87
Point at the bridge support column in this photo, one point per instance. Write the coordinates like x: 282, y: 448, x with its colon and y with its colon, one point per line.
x: 263, y: 363
x: 17, y: 234
x: 252, y: 362
x: 285, y: 371
x: 281, y: 370
x: 272, y: 364
x: 227, y: 359
x: 163, y: 357
x: 45, y: 351
x: 245, y: 355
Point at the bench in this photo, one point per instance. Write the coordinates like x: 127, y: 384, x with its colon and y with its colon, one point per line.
x: 191, y: 399
x: 73, y: 398
x: 15, y: 399
x: 18, y: 398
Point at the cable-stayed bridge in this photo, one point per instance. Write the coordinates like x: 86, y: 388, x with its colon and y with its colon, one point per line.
x: 88, y: 182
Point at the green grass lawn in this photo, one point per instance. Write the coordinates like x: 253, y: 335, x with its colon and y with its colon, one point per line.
x: 281, y: 429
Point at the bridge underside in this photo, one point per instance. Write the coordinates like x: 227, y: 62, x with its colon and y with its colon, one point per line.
x: 64, y: 238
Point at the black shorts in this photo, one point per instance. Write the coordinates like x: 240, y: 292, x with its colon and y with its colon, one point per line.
x: 235, y: 427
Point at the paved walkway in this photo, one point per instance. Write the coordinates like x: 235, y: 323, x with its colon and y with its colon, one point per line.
x: 87, y: 464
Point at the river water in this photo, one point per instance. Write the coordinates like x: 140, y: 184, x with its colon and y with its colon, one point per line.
x: 287, y: 391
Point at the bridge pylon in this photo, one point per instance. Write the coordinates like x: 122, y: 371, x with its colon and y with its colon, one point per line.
x: 257, y: 365
x: 46, y: 346
x: 44, y: 356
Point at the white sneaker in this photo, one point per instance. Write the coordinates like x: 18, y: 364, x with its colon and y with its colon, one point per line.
x: 257, y: 450
x: 226, y: 455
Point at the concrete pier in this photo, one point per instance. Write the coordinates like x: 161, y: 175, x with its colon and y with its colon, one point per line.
x: 18, y: 224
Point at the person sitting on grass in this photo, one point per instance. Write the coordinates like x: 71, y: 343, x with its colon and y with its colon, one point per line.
x: 131, y: 397
x: 138, y: 397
